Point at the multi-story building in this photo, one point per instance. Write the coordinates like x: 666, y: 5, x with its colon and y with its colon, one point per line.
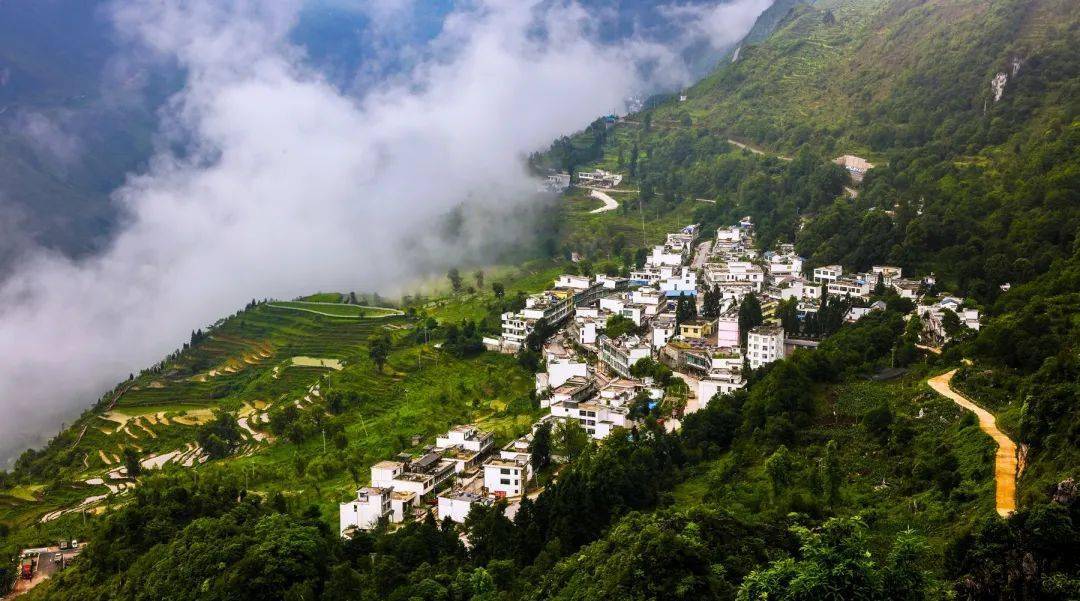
x: 506, y: 478
x: 372, y: 504
x: 465, y: 446
x: 598, y: 419
x: 456, y: 505
x: 620, y: 354
x: 828, y: 273
x: 764, y: 344
x: 857, y: 287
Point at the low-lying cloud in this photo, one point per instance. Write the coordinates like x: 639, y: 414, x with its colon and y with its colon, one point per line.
x: 285, y: 185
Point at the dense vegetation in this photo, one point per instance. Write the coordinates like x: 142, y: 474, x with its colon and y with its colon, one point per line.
x: 812, y: 481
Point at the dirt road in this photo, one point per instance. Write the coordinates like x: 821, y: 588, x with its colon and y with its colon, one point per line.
x: 609, y: 202
x: 1004, y: 459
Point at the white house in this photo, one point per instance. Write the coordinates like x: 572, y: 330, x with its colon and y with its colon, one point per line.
x: 727, y: 330
x: 860, y: 288
x: 828, y: 273
x: 622, y: 353
x: 371, y: 504
x: 574, y: 282
x: 662, y: 330
x: 456, y: 505
x: 506, y: 478
x: 598, y: 419
x: 764, y: 344
x: 561, y: 369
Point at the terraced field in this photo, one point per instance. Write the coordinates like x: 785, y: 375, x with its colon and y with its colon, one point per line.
x: 335, y: 309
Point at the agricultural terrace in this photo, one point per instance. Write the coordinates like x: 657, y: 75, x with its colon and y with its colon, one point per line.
x: 335, y: 309
x: 272, y: 369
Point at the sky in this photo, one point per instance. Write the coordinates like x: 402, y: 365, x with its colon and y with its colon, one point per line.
x: 288, y: 184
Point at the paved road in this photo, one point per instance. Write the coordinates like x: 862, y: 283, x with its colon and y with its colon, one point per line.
x: 609, y: 202
x: 701, y: 255
x: 1004, y: 459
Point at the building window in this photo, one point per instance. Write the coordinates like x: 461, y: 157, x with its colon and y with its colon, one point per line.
x: 505, y: 482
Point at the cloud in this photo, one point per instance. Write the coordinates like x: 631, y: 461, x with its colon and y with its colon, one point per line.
x: 50, y: 137
x: 721, y: 25
x: 285, y: 185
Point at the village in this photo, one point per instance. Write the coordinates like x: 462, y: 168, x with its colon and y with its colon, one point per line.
x: 603, y: 340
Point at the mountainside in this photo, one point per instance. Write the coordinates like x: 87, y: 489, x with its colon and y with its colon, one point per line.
x: 835, y: 472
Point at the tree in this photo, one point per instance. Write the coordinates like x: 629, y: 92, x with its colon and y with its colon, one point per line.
x: 617, y: 325
x: 779, y: 467
x: 570, y: 439
x: 498, y: 289
x: 479, y: 277
x: 685, y: 309
x: 131, y: 462
x: 710, y: 308
x: 540, y: 447
x: 220, y: 436
x: 379, y: 349
x: 878, y: 421
x: 749, y: 316
x: 835, y: 562
x: 455, y: 279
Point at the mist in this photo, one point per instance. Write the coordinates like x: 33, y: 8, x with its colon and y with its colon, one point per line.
x: 273, y: 182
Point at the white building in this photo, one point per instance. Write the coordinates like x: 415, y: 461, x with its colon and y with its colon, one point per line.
x: 598, y: 419
x: 465, y: 446
x: 856, y: 287
x: 727, y: 330
x: 685, y: 281
x: 561, y: 369
x: 828, y: 273
x: 620, y: 354
x: 662, y: 329
x: 764, y: 344
x: 888, y: 273
x: 506, y: 478
x: 574, y: 282
x: 371, y: 504
x: 456, y: 505
x: 798, y: 288
x: 661, y: 255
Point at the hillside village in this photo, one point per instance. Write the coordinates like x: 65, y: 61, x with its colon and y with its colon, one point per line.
x: 701, y: 312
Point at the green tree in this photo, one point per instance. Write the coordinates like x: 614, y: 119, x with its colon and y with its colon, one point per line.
x: 571, y: 439
x: 835, y: 562
x: 379, y: 346
x: 540, y: 447
x: 498, y: 289
x: 455, y: 279
x: 131, y: 462
x: 478, y: 275
x: 749, y: 316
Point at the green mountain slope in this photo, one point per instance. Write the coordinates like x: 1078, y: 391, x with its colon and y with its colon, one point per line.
x: 810, y: 482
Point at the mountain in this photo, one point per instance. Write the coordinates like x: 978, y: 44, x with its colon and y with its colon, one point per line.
x: 837, y: 471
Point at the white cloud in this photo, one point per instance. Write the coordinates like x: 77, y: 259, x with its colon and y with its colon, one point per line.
x: 292, y: 187
x: 720, y: 24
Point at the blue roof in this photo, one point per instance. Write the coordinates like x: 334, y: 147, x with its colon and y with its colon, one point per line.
x: 674, y: 293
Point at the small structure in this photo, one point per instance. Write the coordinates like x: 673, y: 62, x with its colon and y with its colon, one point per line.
x: 856, y: 166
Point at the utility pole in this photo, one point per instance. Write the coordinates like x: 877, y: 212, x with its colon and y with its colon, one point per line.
x: 641, y: 210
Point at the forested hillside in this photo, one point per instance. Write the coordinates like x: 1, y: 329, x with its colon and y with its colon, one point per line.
x: 817, y: 480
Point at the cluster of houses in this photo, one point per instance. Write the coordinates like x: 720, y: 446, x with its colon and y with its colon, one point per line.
x: 559, y: 182
x: 589, y: 374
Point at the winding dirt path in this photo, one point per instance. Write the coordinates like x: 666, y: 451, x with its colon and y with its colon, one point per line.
x: 1004, y: 459
x: 609, y: 202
